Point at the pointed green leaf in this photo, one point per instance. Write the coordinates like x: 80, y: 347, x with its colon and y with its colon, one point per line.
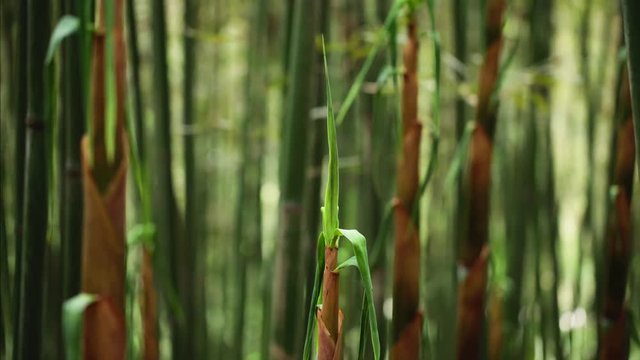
x: 72, y: 321
x: 66, y: 26
x: 364, y: 318
x: 330, y: 210
x: 317, y: 287
x: 349, y: 262
x: 359, y: 244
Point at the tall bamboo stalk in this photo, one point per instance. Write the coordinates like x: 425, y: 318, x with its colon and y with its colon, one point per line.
x: 287, y: 293
x: 407, y: 318
x: 249, y: 215
x: 631, y: 12
x: 150, y: 349
x: 460, y: 51
x: 35, y: 201
x: 104, y: 185
x: 73, y: 117
x: 473, y: 257
x: 316, y: 151
x: 170, y: 250
x: 192, y: 237
x: 20, y: 137
x: 614, y: 330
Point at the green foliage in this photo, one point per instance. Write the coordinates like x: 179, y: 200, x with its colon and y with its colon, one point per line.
x: 389, y: 23
x: 330, y: 231
x: 330, y: 208
x: 67, y: 26
x: 317, y: 286
x: 72, y: 320
x: 359, y: 244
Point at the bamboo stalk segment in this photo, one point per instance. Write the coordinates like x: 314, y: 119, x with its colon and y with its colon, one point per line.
x: 476, y: 187
x: 614, y: 334
x: 407, y: 318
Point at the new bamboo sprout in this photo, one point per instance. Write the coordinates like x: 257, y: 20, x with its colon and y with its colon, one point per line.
x: 329, y: 316
x: 104, y: 169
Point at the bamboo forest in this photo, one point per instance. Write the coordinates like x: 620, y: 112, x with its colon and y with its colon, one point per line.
x: 319, y: 179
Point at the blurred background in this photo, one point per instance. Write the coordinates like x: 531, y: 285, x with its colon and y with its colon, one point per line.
x: 226, y: 117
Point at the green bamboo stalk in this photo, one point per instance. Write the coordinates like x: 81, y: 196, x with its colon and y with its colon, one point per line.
x: 149, y: 313
x: 248, y: 212
x: 287, y: 293
x: 5, y: 280
x: 631, y: 12
x: 316, y: 148
x: 73, y: 117
x: 29, y: 336
x: 191, y: 238
x: 19, y: 161
x: 134, y: 65
x: 459, y: 8
x: 169, y: 247
x: 541, y: 33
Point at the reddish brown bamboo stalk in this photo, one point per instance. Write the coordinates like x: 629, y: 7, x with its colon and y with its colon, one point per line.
x: 407, y: 318
x: 477, y: 183
x: 104, y: 186
x: 330, y: 316
x: 149, y: 309
x: 614, y: 332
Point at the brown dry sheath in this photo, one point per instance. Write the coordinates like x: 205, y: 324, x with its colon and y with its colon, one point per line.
x: 104, y: 187
x: 614, y: 335
x: 476, y: 186
x: 330, y: 317
x: 407, y: 319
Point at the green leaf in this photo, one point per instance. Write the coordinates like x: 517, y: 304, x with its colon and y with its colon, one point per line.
x: 364, y: 318
x: 359, y: 81
x: 359, y: 244
x: 461, y: 153
x: 349, y: 262
x: 66, y: 26
x: 317, y: 287
x: 330, y: 209
x: 72, y: 321
x: 141, y: 233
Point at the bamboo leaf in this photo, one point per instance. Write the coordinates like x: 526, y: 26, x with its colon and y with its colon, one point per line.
x: 330, y: 209
x: 349, y: 262
x: 359, y: 81
x: 460, y: 156
x: 141, y: 233
x: 364, y: 318
x: 67, y: 26
x: 317, y: 287
x: 359, y: 244
x: 72, y: 319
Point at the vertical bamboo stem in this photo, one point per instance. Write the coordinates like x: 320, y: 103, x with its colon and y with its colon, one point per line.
x: 476, y: 186
x: 407, y: 318
x: 35, y: 199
